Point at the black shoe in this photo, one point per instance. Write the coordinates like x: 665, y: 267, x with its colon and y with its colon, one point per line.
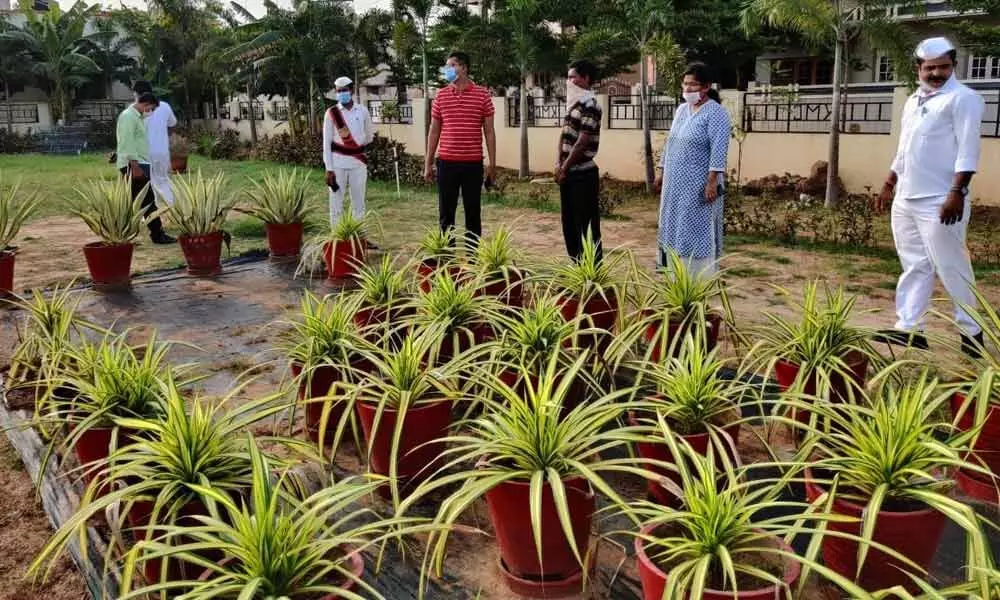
x: 162, y: 238
x: 902, y: 338
x: 973, y: 346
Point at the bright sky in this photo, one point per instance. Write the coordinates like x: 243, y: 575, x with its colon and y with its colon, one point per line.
x: 257, y: 6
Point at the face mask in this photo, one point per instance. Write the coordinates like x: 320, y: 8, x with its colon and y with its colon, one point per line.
x: 450, y: 74
x: 344, y: 97
x: 692, y: 97
x: 574, y: 94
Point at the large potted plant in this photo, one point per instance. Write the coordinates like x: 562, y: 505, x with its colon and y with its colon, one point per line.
x: 274, y: 544
x: 16, y: 207
x: 384, y: 289
x: 699, y: 402
x: 282, y: 200
x: 589, y: 293
x: 180, y: 149
x: 343, y: 248
x: 725, y: 541
x: 324, y: 345
x: 194, y: 453
x: 200, y: 209
x: 538, y: 470
x: 108, y: 209
x: 495, y: 268
x: 888, y: 465
x: 528, y: 337
x: 437, y: 252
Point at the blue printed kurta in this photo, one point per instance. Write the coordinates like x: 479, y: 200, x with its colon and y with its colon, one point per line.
x: 698, y: 143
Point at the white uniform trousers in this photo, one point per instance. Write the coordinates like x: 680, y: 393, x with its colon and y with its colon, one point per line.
x: 159, y: 178
x: 926, y: 246
x: 351, y: 181
x: 702, y: 267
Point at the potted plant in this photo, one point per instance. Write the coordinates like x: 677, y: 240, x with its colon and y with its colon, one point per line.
x: 887, y: 465
x: 719, y: 545
x: 404, y: 404
x: 324, y: 345
x: 199, y: 212
x: 274, y: 544
x: 180, y: 149
x: 283, y: 201
x: 528, y: 337
x: 343, y: 248
x: 698, y: 401
x: 437, y: 251
x: 384, y: 289
x: 676, y: 302
x: 820, y: 354
x: 463, y: 315
x: 495, y: 268
x: 538, y: 471
x: 17, y: 205
x: 110, y: 212
x: 196, y: 452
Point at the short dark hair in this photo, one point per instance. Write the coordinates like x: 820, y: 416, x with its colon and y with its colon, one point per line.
x: 952, y: 54
x: 462, y: 58
x: 142, y: 87
x: 148, y: 98
x: 585, y: 68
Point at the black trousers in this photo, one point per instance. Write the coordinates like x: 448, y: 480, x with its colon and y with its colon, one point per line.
x: 579, y: 197
x: 465, y: 178
x: 148, y: 202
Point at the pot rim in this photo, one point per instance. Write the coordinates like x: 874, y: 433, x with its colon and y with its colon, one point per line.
x: 420, y: 405
x: 793, y: 568
x: 107, y: 245
x: 566, y: 481
x: 212, y: 234
x: 355, y: 562
x: 855, y: 507
x: 8, y: 252
x: 737, y: 424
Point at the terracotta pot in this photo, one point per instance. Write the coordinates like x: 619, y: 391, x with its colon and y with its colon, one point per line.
x: 661, y: 452
x: 317, y: 386
x: 509, y: 292
x: 978, y: 487
x: 510, y: 513
x: 179, y: 164
x: 987, y: 446
x: 857, y: 364
x: 713, y: 327
x: 914, y: 534
x: 343, y: 257
x: 139, y: 518
x: 599, y: 312
x: 654, y: 579
x: 110, y: 265
x: 93, y: 447
x: 284, y: 239
x: 356, y: 566
x: 6, y: 272
x: 429, y: 267
x: 203, y: 253
x: 419, y: 455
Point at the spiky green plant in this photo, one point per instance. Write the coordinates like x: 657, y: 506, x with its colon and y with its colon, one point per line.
x: 108, y: 209
x: 589, y: 276
x: 17, y: 205
x: 280, y: 197
x: 384, y: 283
x: 201, y: 204
x: 438, y: 246
x: 457, y: 307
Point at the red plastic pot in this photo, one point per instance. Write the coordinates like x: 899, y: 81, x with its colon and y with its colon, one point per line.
x: 356, y: 566
x: 343, y: 257
x: 509, y: 292
x: 94, y: 446
x: 857, y: 364
x: 510, y: 513
x: 987, y: 446
x: 914, y: 534
x: 179, y: 164
x: 978, y: 487
x: 427, y: 269
x: 661, y: 452
x: 109, y: 264
x: 139, y: 518
x: 654, y: 580
x: 598, y: 312
x: 203, y: 253
x: 419, y: 454
x: 452, y: 346
x: 6, y: 272
x: 713, y: 327
x: 317, y: 386
x: 284, y: 239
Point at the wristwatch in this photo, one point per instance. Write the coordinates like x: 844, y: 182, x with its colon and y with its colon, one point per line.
x: 962, y: 190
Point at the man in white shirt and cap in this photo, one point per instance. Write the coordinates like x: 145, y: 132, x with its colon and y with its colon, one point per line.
x: 929, y: 189
x: 347, y: 131
x: 158, y: 124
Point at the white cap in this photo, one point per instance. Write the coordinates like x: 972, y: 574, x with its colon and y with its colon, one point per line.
x: 932, y: 48
x: 342, y: 82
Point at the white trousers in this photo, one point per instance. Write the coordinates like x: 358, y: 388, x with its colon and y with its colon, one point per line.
x: 159, y: 177
x: 925, y: 247
x: 702, y: 267
x: 351, y: 181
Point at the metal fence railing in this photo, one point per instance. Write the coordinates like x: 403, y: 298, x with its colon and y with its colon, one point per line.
x: 547, y: 114
x: 225, y: 113
x: 806, y: 114
x: 279, y: 111
x: 18, y: 113
x: 404, y: 112
x: 625, y: 112
x: 258, y: 110
x: 99, y: 112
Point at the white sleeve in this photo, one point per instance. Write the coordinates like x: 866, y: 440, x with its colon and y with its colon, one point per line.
x: 327, y: 140
x: 898, y: 163
x: 369, y: 128
x: 171, y: 118
x: 969, y: 110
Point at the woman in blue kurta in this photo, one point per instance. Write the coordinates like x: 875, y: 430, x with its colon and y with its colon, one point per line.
x: 694, y: 167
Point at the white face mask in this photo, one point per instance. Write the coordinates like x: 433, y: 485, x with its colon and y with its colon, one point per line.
x: 574, y: 93
x: 691, y: 97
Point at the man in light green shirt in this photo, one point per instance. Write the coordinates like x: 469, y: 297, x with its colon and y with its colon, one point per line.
x: 133, y: 159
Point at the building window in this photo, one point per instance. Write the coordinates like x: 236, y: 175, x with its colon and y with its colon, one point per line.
x: 984, y: 67
x: 884, y: 70
x: 802, y: 71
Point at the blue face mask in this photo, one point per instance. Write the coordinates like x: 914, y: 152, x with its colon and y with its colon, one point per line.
x: 344, y: 97
x: 450, y: 74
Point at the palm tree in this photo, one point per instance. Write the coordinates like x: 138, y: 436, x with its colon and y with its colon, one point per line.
x: 524, y: 18
x: 54, y: 42
x: 109, y: 48
x: 824, y: 23
x: 419, y: 12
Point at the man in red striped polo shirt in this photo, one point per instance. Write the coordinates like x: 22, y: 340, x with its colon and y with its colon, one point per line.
x: 461, y: 116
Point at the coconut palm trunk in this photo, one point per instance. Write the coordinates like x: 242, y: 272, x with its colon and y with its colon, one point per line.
x: 833, y: 159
